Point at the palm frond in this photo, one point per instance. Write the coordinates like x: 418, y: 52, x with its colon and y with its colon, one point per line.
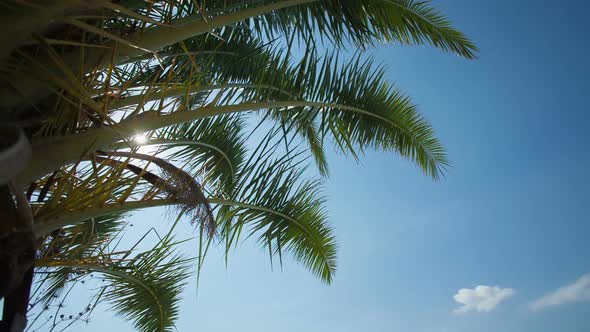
x: 365, y: 23
x: 76, y: 242
x: 284, y: 211
x: 220, y: 151
x: 357, y: 108
x: 144, y: 289
x: 361, y: 22
x: 148, y: 291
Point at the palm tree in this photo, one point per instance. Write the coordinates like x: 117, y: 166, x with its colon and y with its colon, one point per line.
x: 214, y: 108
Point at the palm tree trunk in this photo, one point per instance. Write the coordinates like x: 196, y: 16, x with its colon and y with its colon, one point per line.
x: 17, y: 253
x: 14, y: 315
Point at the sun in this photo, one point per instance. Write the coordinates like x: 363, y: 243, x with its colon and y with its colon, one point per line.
x: 140, y: 138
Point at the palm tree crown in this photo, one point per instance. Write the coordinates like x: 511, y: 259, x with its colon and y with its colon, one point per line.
x: 233, y: 101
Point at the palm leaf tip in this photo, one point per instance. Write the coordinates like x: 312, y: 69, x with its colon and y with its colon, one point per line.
x: 421, y: 145
x: 311, y: 241
x: 148, y: 293
x: 316, y: 248
x: 360, y: 110
x: 284, y: 211
x: 307, y: 233
x: 369, y: 22
x: 420, y: 22
x: 320, y: 257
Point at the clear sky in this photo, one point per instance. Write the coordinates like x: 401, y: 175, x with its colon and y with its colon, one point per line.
x: 512, y: 213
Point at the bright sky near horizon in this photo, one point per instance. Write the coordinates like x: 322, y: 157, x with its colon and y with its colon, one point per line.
x: 500, y: 245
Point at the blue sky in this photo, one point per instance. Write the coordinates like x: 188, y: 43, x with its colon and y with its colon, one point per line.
x: 511, y: 213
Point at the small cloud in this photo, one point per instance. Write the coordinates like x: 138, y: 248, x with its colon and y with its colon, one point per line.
x: 481, y: 298
x: 579, y: 291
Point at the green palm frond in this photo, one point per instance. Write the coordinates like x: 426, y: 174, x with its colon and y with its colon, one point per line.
x: 349, y: 102
x: 76, y: 242
x: 144, y: 289
x: 357, y: 108
x: 361, y: 22
x: 285, y: 212
x: 215, y: 145
x: 148, y: 290
x: 366, y: 23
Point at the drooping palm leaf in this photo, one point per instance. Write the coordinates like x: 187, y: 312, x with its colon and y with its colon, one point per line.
x: 76, y: 243
x: 144, y: 289
x: 149, y: 291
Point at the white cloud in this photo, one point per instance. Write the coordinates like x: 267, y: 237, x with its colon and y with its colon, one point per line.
x: 577, y: 292
x: 481, y: 298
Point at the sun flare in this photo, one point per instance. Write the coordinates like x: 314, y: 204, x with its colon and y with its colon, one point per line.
x: 140, y: 138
